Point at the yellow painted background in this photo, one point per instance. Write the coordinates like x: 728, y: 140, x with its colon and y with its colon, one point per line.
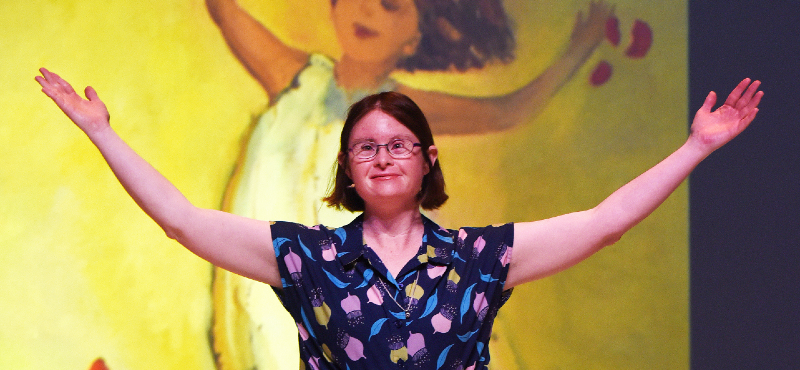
x: 85, y: 274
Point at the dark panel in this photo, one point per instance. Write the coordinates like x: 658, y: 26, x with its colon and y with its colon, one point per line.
x: 745, y: 198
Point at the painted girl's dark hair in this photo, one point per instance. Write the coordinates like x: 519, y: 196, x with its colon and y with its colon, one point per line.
x: 460, y: 34
x: 405, y: 111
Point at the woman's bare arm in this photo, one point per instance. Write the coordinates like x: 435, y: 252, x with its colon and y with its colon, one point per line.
x: 238, y: 244
x: 542, y: 248
x: 271, y: 62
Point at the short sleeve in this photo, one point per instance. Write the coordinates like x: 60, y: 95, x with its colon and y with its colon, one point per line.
x: 487, y: 252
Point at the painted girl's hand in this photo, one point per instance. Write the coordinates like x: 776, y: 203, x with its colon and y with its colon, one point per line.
x: 713, y: 129
x: 89, y: 115
x: 589, y: 32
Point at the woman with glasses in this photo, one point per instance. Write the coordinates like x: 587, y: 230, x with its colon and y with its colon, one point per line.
x: 392, y: 288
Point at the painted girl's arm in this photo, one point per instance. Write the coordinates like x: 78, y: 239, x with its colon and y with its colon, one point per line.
x: 271, y: 62
x: 238, y: 244
x: 450, y: 114
x: 542, y: 248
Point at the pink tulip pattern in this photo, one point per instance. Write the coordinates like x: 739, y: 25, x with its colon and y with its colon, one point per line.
x: 295, y: 266
x: 302, y: 330
x: 352, y: 308
x: 477, y: 247
x: 480, y: 305
x: 416, y: 348
x: 352, y: 346
x: 375, y: 295
x: 443, y: 320
x: 328, y: 250
x: 435, y: 271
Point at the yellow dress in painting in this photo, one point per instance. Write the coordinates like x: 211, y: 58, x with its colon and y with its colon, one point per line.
x: 283, y: 173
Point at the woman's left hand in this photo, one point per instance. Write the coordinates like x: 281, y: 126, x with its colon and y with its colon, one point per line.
x: 712, y: 129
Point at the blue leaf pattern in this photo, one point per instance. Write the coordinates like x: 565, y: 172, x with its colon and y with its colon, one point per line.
x: 376, y: 327
x: 341, y: 234
x: 466, y: 336
x: 276, y: 244
x: 487, y: 277
x: 398, y: 315
x: 306, y: 250
x: 340, y: 284
x: 442, y: 357
x: 309, y: 328
x: 465, y: 301
x: 367, y: 275
x: 431, y: 305
x: 446, y: 239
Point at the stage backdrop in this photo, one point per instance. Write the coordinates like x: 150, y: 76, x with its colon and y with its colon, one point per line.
x: 84, y: 274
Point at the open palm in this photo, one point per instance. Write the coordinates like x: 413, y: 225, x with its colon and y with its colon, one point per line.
x: 89, y: 114
x: 715, y: 128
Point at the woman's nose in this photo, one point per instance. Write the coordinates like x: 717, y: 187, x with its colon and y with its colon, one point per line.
x: 382, y: 157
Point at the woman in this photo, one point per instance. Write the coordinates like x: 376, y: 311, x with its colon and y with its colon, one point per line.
x: 392, y: 287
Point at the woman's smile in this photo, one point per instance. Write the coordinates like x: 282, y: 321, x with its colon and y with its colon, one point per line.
x: 388, y: 176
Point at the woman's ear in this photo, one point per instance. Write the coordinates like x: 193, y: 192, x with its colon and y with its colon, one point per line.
x: 341, y: 158
x: 433, y: 154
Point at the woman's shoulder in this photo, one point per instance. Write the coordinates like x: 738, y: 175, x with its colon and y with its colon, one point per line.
x: 496, y: 234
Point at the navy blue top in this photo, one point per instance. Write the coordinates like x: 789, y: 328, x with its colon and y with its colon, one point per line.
x: 351, y: 313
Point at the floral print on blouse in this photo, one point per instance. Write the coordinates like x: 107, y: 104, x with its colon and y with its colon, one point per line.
x: 351, y: 313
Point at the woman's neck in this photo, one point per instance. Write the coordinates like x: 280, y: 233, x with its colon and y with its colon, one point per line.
x: 353, y: 74
x: 394, y: 238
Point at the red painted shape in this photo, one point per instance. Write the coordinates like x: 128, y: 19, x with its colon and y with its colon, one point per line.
x: 99, y: 364
x: 601, y: 73
x: 612, y: 30
x: 642, y: 39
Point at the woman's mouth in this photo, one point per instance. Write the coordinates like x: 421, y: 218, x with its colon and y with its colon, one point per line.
x: 387, y: 176
x: 363, y: 32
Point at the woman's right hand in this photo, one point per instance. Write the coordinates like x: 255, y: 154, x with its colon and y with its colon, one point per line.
x: 90, y: 114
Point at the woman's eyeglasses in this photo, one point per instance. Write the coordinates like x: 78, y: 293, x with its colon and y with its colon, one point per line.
x: 397, y: 148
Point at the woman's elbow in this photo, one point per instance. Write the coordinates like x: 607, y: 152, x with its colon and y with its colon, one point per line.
x: 179, y: 226
x: 611, y: 238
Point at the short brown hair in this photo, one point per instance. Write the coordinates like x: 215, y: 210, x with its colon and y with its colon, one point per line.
x: 405, y: 111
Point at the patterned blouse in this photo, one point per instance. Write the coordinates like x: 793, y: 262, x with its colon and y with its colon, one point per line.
x: 351, y: 313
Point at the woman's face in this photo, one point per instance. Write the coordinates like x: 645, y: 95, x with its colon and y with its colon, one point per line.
x: 385, y: 178
x: 376, y: 30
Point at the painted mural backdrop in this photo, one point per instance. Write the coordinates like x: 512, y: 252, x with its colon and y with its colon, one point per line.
x: 87, y: 280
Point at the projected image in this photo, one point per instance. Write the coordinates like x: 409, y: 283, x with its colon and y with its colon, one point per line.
x: 538, y: 108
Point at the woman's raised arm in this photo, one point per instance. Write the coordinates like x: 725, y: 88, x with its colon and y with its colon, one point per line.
x: 542, y: 248
x: 238, y: 244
